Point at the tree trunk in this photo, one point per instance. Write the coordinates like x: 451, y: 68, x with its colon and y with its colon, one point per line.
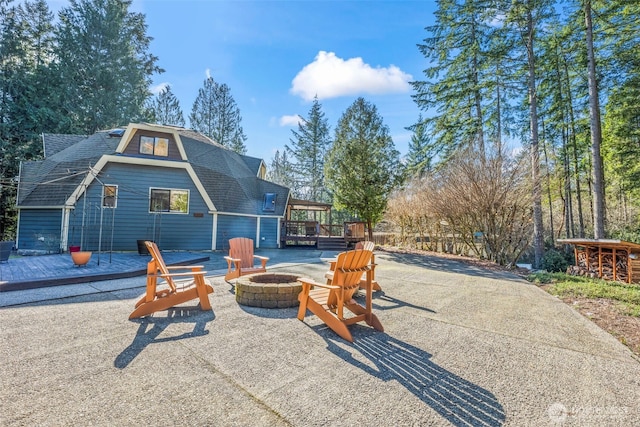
x: 538, y: 229
x: 549, y: 198
x: 574, y: 146
x: 569, y: 225
x: 596, y: 131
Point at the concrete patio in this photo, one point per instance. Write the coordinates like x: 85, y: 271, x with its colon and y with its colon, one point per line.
x: 462, y: 346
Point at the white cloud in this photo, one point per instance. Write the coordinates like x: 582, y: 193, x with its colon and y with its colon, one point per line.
x: 159, y: 88
x: 207, y: 72
x: 329, y: 76
x: 292, y: 120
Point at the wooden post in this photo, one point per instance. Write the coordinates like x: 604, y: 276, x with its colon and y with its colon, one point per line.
x: 614, y: 264
x: 587, y: 258
x: 600, y: 262
x: 629, y: 267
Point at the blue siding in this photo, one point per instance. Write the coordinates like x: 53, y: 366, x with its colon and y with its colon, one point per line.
x: 269, y: 232
x: 40, y: 229
x: 131, y: 220
x: 230, y: 226
x: 119, y: 228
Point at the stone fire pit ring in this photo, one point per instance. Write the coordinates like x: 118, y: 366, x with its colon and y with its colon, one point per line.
x: 268, y: 290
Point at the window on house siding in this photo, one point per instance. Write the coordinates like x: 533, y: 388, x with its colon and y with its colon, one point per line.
x: 154, y: 146
x: 109, y: 196
x: 269, y: 204
x: 167, y: 200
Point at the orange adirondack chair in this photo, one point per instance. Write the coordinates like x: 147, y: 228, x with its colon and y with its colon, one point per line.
x: 368, y: 246
x: 155, y: 300
x: 241, y: 257
x: 329, y: 301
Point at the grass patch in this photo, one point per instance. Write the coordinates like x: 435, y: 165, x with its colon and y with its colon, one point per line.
x: 578, y: 286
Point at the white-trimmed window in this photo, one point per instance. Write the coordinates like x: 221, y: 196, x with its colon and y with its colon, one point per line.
x: 154, y: 146
x: 168, y: 200
x: 109, y: 196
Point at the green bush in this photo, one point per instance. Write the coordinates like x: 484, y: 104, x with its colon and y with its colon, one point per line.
x: 555, y: 261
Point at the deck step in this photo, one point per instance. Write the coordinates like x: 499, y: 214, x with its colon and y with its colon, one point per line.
x: 331, y: 244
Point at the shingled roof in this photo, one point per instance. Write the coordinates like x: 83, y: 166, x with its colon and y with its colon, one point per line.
x: 230, y: 179
x: 53, y: 143
x: 51, y: 181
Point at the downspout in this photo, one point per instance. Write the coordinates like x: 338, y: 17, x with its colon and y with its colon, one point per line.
x: 257, y: 232
x: 64, y: 229
x: 17, y: 202
x: 18, y: 230
x: 279, y: 230
x: 214, y: 234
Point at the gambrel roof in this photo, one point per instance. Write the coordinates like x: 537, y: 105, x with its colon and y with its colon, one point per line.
x: 230, y: 181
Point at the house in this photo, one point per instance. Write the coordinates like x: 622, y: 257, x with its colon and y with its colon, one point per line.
x: 146, y: 182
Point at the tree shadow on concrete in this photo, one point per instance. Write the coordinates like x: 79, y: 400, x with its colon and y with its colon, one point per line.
x: 449, y: 265
x: 151, y: 327
x: 457, y: 400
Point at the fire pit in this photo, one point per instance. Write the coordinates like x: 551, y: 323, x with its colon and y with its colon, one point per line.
x: 268, y: 290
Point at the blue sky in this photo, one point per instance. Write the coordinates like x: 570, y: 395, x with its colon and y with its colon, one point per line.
x: 276, y: 55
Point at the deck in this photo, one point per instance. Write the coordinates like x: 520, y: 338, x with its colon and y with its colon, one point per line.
x: 31, y: 272
x: 321, y: 236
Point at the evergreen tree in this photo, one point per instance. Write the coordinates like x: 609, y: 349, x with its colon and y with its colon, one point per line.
x: 216, y: 115
x: 362, y: 165
x: 418, y: 157
x: 103, y: 59
x: 525, y: 19
x: 9, y: 49
x: 38, y: 105
x: 25, y: 93
x: 166, y: 108
x: 308, y: 149
x: 280, y: 171
x: 455, y: 79
x: 596, y: 128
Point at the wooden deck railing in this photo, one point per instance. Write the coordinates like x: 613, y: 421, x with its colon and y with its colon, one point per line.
x: 309, y: 231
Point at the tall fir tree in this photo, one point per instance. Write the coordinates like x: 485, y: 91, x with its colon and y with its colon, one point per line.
x: 595, y: 127
x: 525, y: 20
x: 455, y: 81
x: 308, y: 151
x: 166, y: 108
x: 419, y: 156
x: 26, y: 91
x: 363, y: 166
x: 216, y: 115
x: 281, y: 171
x: 103, y: 58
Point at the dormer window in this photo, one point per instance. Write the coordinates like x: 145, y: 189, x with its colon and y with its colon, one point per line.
x: 269, y: 202
x: 154, y: 146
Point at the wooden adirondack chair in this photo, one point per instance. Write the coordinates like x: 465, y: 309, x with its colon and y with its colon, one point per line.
x: 368, y: 246
x: 329, y: 301
x: 192, y: 283
x: 241, y: 257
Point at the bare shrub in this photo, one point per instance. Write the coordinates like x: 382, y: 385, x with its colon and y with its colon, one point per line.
x: 485, y: 205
